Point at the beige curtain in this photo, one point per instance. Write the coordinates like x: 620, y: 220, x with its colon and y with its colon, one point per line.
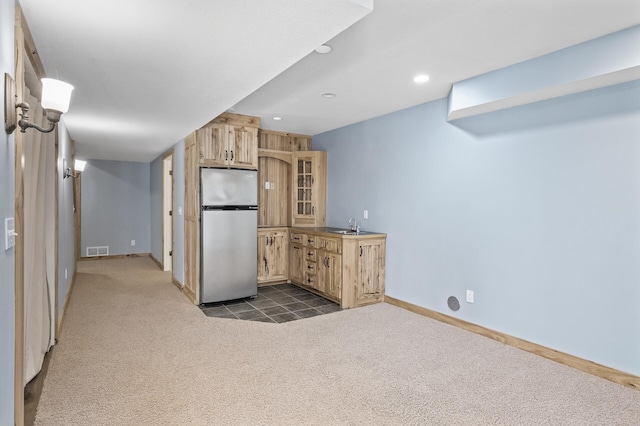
x: 39, y: 241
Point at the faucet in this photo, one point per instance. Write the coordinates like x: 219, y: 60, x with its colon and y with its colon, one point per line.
x: 353, y: 224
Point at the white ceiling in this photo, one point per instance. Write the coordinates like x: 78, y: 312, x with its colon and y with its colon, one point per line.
x: 147, y: 73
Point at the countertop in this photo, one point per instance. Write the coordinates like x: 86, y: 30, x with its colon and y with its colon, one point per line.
x: 339, y: 232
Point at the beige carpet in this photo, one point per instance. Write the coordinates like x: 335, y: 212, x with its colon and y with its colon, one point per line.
x: 134, y: 351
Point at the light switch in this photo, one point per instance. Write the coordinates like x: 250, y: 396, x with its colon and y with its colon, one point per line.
x: 179, y: 211
x: 9, y: 233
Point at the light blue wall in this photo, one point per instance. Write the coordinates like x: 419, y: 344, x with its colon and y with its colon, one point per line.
x: 66, y: 241
x: 178, y: 216
x: 115, y: 206
x: 7, y: 207
x: 542, y: 223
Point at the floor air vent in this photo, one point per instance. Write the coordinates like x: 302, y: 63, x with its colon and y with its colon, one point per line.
x: 97, y: 251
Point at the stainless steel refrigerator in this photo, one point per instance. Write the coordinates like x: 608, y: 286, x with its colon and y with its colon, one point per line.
x: 229, y: 234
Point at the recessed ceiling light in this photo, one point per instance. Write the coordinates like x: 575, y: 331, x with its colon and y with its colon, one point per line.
x: 232, y: 109
x: 329, y: 95
x: 325, y: 48
x: 277, y: 118
x: 422, y: 78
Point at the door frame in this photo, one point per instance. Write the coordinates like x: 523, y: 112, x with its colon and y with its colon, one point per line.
x: 168, y: 200
x: 25, y: 50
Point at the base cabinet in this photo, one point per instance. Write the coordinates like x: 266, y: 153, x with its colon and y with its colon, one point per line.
x: 349, y: 270
x: 364, y: 282
x: 330, y: 273
x: 273, y: 253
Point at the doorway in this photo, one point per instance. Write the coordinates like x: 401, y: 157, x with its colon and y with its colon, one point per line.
x: 167, y: 212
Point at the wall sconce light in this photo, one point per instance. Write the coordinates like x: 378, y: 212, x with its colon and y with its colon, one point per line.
x: 78, y: 166
x: 56, y: 96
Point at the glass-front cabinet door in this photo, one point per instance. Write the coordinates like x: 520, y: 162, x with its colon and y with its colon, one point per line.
x: 309, y: 192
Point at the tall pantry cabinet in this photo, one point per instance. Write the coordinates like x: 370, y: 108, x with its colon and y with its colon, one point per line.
x: 285, y: 197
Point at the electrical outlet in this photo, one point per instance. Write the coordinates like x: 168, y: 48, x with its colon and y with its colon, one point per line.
x: 267, y: 185
x: 469, y: 296
x: 133, y: 242
x: 179, y: 211
x: 365, y: 214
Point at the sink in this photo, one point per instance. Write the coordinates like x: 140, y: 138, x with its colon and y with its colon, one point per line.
x: 344, y: 232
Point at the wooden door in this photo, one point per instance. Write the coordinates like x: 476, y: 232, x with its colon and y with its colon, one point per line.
x: 243, y: 147
x: 213, y: 145
x: 304, y: 209
x: 272, y: 255
x: 330, y: 273
x: 309, y: 170
x: 296, y: 263
x: 371, y: 268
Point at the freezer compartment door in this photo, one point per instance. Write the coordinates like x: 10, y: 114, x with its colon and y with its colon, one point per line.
x: 220, y: 187
x: 229, y: 255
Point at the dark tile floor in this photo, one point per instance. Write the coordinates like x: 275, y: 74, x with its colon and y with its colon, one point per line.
x: 276, y: 303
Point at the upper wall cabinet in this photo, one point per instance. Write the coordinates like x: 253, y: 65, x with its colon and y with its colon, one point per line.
x: 309, y: 188
x: 230, y: 140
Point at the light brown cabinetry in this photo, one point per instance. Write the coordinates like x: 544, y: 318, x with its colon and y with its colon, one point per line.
x: 229, y: 140
x: 309, y: 188
x: 347, y: 269
x: 297, y: 263
x: 273, y: 253
x: 365, y: 280
x: 275, y: 156
x: 191, y: 218
x: 283, y: 141
x: 330, y: 267
x: 228, y: 145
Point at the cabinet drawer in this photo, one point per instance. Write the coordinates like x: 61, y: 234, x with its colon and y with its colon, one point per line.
x: 311, y: 268
x: 295, y: 237
x: 310, y: 240
x: 330, y: 244
x: 310, y: 254
x: 310, y: 280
